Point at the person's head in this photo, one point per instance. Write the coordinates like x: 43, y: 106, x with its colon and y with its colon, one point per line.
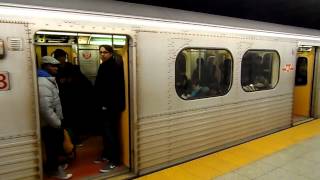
x: 50, y: 64
x: 105, y: 52
x: 60, y: 55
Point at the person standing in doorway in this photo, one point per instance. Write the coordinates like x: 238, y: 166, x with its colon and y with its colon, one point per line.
x: 76, y: 97
x: 51, y: 117
x: 110, y: 92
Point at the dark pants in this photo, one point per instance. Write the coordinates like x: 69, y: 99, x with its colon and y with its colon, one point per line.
x: 53, y: 142
x: 110, y: 136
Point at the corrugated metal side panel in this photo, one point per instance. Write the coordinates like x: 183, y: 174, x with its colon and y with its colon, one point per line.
x: 19, y: 157
x: 19, y: 139
x: 168, y: 138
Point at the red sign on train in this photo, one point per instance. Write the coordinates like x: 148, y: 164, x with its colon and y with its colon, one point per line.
x: 288, y: 68
x: 4, y: 81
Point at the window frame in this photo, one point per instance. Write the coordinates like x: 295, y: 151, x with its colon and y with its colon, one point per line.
x: 206, y: 48
x: 279, y: 72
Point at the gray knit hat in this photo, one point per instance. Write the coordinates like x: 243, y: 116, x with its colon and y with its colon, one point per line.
x: 49, y: 60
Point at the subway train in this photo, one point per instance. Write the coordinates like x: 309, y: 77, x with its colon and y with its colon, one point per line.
x: 195, y: 83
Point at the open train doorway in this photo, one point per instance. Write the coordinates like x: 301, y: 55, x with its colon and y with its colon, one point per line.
x: 304, y: 84
x: 81, y: 121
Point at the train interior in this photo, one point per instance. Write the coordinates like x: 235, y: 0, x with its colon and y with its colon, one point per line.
x: 304, y: 97
x: 80, y: 120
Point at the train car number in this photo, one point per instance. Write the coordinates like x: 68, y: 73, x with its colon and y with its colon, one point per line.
x: 4, y: 81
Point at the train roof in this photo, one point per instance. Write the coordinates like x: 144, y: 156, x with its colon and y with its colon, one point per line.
x: 159, y: 13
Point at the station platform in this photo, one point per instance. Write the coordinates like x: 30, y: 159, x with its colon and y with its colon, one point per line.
x: 291, y: 154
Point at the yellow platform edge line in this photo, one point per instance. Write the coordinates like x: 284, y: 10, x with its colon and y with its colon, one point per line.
x: 225, y: 161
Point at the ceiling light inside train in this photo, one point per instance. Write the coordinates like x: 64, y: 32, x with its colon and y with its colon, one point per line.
x: 56, y: 33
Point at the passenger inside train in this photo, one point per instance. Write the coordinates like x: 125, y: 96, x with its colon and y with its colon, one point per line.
x: 77, y: 109
x: 79, y: 58
x: 110, y: 102
x: 51, y: 118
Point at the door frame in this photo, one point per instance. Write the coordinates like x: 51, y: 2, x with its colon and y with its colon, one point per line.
x: 130, y: 101
x: 315, y: 89
x: 315, y: 103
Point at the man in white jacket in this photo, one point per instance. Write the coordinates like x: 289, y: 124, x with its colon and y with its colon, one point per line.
x: 51, y: 116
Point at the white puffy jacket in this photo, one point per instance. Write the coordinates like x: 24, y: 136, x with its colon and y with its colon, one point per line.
x: 50, y: 106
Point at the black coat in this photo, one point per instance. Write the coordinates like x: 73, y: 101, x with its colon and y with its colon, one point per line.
x: 109, y: 85
x: 75, y: 95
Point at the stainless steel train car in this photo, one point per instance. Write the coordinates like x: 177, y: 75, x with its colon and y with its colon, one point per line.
x: 195, y: 83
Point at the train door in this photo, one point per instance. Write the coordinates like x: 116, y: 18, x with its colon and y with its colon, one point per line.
x: 303, y: 88
x: 81, y: 51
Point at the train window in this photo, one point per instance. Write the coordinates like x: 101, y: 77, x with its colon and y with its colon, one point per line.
x: 301, y: 72
x: 202, y: 73
x: 260, y: 70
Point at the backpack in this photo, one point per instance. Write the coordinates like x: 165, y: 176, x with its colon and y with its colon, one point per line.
x: 68, y: 146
